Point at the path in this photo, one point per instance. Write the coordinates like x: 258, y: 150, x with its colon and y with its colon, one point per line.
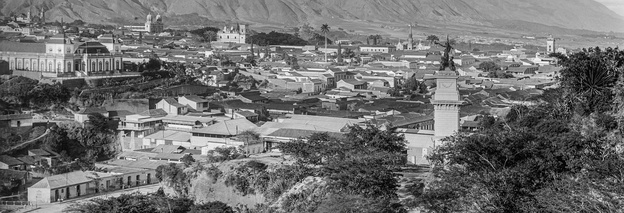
x: 18, y: 146
x: 60, y: 206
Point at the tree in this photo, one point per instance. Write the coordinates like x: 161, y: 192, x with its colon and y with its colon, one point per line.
x: 325, y: 30
x: 432, y: 39
x: 560, y: 58
x: 153, y: 64
x: 556, y: 156
x: 589, y: 76
x: 212, y: 207
x: 187, y: 160
x: 489, y: 66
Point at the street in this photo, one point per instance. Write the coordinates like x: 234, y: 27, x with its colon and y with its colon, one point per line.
x: 60, y: 206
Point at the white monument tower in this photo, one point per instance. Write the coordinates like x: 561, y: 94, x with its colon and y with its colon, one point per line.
x: 446, y: 103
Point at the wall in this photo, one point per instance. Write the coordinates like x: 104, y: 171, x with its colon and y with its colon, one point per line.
x: 38, y: 195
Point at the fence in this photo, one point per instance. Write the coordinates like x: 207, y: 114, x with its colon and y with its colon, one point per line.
x: 14, y: 203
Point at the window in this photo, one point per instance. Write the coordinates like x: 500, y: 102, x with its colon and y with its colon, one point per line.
x: 107, y: 65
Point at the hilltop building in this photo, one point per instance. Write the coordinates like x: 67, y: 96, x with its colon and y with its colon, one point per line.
x: 60, y: 56
x: 152, y: 25
x: 550, y: 45
x: 236, y: 34
x: 410, y: 44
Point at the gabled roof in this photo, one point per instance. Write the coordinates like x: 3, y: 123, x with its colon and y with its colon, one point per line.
x: 353, y: 81
x: 154, y: 113
x: 92, y: 110
x: 68, y: 179
x: 297, y: 133
x: 195, y: 98
x: 246, y: 113
x: 38, y: 152
x: 9, y: 174
x: 172, y: 102
x: 227, y: 127
x: 168, y: 149
x: 11, y: 161
x: 8, y: 46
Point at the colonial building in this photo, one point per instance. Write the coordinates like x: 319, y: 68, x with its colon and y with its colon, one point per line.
x: 152, y: 25
x: 236, y: 34
x: 59, y: 56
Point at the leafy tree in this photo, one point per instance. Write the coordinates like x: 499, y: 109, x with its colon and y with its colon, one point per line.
x: 561, y: 58
x: 432, y: 39
x: 187, y: 160
x: 134, y: 203
x: 553, y: 157
x: 212, y: 207
x: 275, y: 38
x: 489, y: 66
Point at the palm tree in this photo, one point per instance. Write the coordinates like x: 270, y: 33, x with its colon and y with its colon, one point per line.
x: 325, y: 30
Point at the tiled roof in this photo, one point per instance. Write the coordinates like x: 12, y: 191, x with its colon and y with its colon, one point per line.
x: 9, y: 174
x: 173, y: 102
x: 169, y: 156
x: 15, y: 117
x: 171, y: 135
x: 227, y: 127
x: 68, y: 179
x: 154, y: 113
x: 168, y: 149
x: 7, y: 46
x: 246, y: 113
x: 38, y: 152
x: 143, y: 164
x: 10, y: 160
x: 195, y: 98
x: 353, y: 81
x: 92, y: 110
x: 296, y: 133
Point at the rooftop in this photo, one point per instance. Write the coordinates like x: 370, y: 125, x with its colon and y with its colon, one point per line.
x: 227, y: 127
x: 68, y: 179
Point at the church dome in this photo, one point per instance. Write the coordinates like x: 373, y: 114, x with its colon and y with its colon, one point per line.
x: 91, y: 47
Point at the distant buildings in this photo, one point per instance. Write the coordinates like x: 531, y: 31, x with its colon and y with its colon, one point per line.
x: 236, y: 34
x: 60, y: 56
x: 151, y: 25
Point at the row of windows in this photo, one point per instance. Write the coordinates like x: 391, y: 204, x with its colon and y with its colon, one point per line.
x: 19, y: 65
x: 211, y: 135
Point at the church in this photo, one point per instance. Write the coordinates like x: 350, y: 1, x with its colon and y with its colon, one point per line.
x: 152, y: 25
x: 59, y: 56
x: 410, y: 44
x: 236, y: 34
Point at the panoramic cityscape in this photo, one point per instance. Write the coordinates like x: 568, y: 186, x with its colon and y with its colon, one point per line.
x: 247, y: 106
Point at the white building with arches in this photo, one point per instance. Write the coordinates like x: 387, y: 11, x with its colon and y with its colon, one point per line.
x: 236, y: 34
x: 62, y: 57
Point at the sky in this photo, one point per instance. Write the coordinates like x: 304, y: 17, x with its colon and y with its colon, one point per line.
x: 616, y: 5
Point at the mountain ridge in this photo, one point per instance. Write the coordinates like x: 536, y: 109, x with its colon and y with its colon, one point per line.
x: 571, y: 14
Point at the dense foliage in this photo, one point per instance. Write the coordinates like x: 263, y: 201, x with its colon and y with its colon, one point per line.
x: 357, y: 166
x: 562, y: 155
x: 156, y: 202
x: 275, y: 38
x: 83, y: 145
x: 25, y: 92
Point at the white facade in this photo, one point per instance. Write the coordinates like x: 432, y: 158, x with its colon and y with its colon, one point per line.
x: 233, y: 35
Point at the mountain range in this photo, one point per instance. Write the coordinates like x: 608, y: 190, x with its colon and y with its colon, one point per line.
x: 570, y: 14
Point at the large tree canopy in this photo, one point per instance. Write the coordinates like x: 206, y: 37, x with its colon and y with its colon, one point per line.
x: 561, y: 155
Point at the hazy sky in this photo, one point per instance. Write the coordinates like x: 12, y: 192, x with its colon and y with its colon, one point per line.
x: 615, y: 5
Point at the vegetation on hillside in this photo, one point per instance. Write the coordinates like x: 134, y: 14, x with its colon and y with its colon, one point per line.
x: 562, y: 155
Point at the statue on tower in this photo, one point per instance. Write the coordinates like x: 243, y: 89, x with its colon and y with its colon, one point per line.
x: 447, y: 59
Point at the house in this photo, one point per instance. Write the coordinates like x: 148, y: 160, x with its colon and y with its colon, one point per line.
x: 83, y: 115
x: 167, y: 137
x: 252, y: 97
x: 352, y: 84
x: 377, y: 49
x: 8, y: 162
x: 41, y: 155
x: 82, y: 183
x: 219, y: 134
x: 251, y: 116
x: 172, y: 107
x: 522, y: 70
x: 195, y: 102
x: 17, y: 120
x: 9, y: 175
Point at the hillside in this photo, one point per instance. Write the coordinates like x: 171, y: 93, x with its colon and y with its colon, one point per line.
x: 572, y: 14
